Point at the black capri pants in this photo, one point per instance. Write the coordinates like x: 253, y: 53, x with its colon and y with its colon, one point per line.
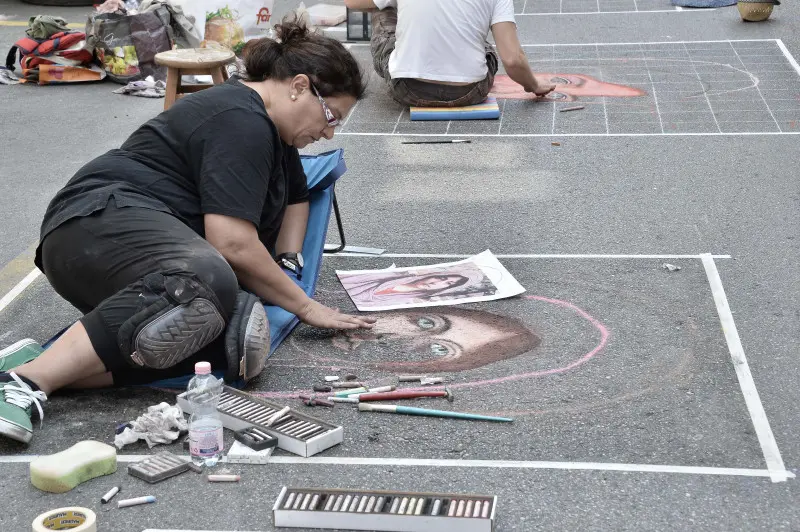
x: 98, y: 263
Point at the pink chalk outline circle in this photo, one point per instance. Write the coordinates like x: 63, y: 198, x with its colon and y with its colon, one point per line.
x: 604, y: 336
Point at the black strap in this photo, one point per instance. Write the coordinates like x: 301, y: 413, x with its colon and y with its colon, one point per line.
x: 11, y: 58
x: 340, y: 226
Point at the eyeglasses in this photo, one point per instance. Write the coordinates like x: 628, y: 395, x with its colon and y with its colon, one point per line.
x: 329, y: 116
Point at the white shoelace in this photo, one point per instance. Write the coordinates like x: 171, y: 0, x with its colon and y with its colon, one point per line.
x: 23, y: 396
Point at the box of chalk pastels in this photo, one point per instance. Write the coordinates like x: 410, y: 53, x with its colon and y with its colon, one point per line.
x: 297, y: 433
x: 391, y: 511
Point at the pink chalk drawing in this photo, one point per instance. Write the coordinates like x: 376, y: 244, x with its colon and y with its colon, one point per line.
x: 449, y: 339
x: 569, y: 87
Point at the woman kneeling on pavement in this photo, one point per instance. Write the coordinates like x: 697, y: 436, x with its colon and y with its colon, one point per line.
x: 167, y: 244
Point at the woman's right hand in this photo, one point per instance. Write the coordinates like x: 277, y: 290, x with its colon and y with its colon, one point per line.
x: 319, y: 315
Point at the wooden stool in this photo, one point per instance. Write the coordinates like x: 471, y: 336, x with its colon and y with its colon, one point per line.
x: 192, y: 62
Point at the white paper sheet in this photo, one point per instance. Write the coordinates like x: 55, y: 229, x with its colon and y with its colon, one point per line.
x: 478, y: 278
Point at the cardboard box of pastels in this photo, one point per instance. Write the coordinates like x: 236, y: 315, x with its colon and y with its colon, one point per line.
x: 383, y: 510
x: 297, y: 433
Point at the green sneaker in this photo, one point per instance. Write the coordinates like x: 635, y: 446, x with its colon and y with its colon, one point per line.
x: 18, y: 354
x: 16, y: 407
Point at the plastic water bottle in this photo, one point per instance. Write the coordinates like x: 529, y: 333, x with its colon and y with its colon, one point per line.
x: 205, y: 426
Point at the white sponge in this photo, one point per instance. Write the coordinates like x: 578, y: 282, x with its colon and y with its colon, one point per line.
x: 60, y: 472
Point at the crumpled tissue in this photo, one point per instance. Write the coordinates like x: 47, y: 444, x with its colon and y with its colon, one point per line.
x: 161, y: 423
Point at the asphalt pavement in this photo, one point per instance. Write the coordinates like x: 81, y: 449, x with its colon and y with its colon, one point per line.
x: 629, y: 411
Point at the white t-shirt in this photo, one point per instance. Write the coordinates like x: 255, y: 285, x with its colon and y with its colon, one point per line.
x: 444, y: 40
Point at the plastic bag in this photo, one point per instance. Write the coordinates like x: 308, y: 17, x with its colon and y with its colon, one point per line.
x: 231, y: 23
x: 327, y: 14
x: 126, y: 45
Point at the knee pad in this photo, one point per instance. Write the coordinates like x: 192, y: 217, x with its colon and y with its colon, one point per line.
x: 179, y: 316
x: 246, y: 338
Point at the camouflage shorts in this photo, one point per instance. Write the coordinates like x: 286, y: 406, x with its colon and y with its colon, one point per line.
x: 421, y: 93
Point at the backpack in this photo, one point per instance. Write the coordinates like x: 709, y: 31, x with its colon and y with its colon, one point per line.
x: 33, y: 52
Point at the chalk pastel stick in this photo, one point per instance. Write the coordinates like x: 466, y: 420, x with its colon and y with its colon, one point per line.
x: 344, y: 399
x: 148, y: 499
x: 275, y: 417
x: 345, y: 393
x: 224, y: 478
x: 381, y: 389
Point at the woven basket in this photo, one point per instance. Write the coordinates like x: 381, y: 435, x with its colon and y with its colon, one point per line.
x: 756, y: 10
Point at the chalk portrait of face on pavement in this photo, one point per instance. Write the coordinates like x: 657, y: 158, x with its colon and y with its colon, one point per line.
x: 569, y: 88
x: 567, y: 330
x: 444, y: 339
x: 482, y: 347
x: 479, y: 278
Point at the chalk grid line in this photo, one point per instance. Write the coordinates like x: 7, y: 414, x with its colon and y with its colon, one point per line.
x: 688, y: 120
x: 766, y: 438
x: 556, y: 7
x: 473, y: 464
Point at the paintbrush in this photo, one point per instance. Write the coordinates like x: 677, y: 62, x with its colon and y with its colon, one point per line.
x: 454, y: 141
x: 410, y: 410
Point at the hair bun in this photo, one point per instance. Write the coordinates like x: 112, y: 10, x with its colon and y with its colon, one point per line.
x: 291, y: 32
x: 296, y: 49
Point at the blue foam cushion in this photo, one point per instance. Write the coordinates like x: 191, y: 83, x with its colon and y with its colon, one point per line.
x: 703, y: 3
x: 488, y: 110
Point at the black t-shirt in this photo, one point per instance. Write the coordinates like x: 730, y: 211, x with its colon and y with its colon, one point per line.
x: 216, y: 152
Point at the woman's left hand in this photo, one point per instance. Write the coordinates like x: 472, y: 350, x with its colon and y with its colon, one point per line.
x: 319, y: 315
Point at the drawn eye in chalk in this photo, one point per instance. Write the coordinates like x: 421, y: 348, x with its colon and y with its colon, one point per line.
x: 429, y: 323
x: 560, y: 81
x: 556, y: 96
x: 425, y: 323
x: 440, y: 350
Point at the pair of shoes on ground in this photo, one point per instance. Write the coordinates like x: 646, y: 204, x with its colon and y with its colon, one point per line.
x: 17, y: 398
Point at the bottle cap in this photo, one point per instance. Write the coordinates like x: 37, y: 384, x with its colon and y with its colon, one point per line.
x: 202, y: 368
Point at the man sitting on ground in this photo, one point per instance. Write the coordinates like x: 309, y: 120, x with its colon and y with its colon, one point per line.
x: 434, y: 53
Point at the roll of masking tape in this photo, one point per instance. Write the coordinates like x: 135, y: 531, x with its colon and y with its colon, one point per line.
x: 73, y: 518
